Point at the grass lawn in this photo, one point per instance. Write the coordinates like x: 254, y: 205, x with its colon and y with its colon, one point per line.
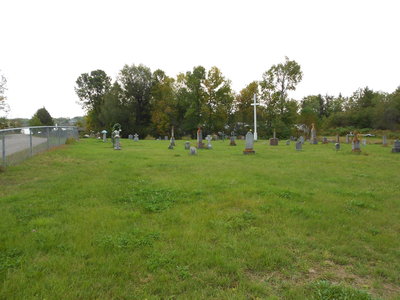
x: 88, y: 222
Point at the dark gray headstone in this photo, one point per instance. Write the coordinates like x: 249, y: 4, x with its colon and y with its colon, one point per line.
x: 299, y: 145
x: 337, y: 146
x: 396, y: 146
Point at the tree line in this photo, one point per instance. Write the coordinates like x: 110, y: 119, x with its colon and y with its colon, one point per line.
x: 150, y: 103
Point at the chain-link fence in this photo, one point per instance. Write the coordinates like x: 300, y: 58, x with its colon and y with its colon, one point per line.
x: 17, y: 144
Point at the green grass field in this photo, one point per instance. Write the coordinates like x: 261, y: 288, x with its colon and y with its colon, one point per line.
x: 89, y: 222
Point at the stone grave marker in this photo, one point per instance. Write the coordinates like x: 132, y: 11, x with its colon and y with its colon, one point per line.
x: 355, y: 145
x: 273, y: 141
x: 104, y: 132
x: 209, y: 138
x: 249, y: 143
x: 347, y: 139
x: 136, y: 137
x: 324, y: 140
x: 299, y: 146
x: 117, y: 144
x: 313, y: 135
x: 364, y: 142
x: 287, y: 142
x: 130, y: 137
x: 384, y: 141
x: 187, y: 145
x: 193, y: 151
x: 396, y: 147
x: 200, y: 144
x: 337, y: 146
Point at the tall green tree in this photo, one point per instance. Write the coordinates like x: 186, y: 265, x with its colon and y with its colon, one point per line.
x: 164, y: 105
x: 136, y: 83
x: 41, y: 118
x: 4, y: 108
x: 91, y: 89
x: 218, y: 101
x: 244, y: 111
x: 275, y: 85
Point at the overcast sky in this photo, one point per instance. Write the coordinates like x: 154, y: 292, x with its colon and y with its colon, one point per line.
x: 340, y: 45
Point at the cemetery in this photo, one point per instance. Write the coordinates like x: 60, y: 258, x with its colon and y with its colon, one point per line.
x: 202, y: 220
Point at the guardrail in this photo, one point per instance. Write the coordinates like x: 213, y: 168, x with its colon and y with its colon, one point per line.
x: 18, y: 144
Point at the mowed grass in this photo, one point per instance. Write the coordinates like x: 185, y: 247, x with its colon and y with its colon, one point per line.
x: 88, y: 222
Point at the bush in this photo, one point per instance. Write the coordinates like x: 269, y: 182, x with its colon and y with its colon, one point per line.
x: 70, y: 141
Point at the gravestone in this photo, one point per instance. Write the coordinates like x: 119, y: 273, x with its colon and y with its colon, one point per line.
x: 165, y: 138
x: 337, y: 139
x: 301, y: 139
x: 104, y: 132
x: 364, y: 142
x: 396, y: 147
x: 347, y: 139
x: 287, y: 142
x: 193, y: 151
x: 200, y: 144
x: 355, y: 145
x: 171, y: 147
x: 232, y: 141
x: 209, y: 138
x: 337, y: 146
x: 384, y: 141
x: 324, y: 140
x: 299, y: 145
x: 117, y: 144
x: 136, y: 137
x: 249, y: 143
x: 273, y: 141
x: 130, y: 137
x: 172, y: 141
x: 313, y: 135
x: 187, y: 145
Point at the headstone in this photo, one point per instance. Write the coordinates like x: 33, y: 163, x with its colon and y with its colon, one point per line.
x: 337, y: 139
x: 396, y: 147
x: 193, y: 151
x: 200, y: 144
x: 136, y: 137
x: 130, y: 137
x: 232, y: 141
x: 165, y: 138
x: 337, y: 146
x: 171, y: 147
x: 104, y: 132
x: 287, y: 142
x: 249, y: 143
x: 209, y: 138
x: 301, y: 139
x: 324, y: 140
x: 364, y: 142
x: 172, y: 141
x: 299, y: 145
x: 187, y: 145
x: 347, y: 139
x: 117, y: 145
x: 313, y: 135
x: 273, y: 141
x: 355, y: 145
x: 384, y: 141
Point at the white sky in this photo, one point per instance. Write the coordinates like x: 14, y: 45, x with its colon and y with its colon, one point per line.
x: 340, y: 45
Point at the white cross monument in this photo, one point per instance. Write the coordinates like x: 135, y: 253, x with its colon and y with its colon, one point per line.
x: 255, y: 116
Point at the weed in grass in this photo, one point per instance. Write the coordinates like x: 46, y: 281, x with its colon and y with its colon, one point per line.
x: 10, y: 259
x: 127, y: 240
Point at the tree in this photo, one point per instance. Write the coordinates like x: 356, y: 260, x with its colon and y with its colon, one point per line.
x: 136, y: 83
x: 163, y: 104
x: 41, y: 118
x: 91, y: 89
x: 218, y: 101
x: 244, y: 112
x: 276, y: 83
x: 4, y: 108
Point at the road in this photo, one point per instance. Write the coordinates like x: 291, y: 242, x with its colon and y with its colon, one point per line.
x: 18, y: 142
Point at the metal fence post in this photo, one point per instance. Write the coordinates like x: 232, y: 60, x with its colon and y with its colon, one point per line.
x: 30, y: 141
x: 4, y: 148
x: 59, y: 136
x: 48, y: 137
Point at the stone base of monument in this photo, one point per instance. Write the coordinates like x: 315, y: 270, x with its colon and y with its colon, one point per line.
x: 249, y: 151
x: 273, y: 141
x: 200, y: 146
x: 171, y: 147
x: 314, y: 141
x: 355, y: 147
